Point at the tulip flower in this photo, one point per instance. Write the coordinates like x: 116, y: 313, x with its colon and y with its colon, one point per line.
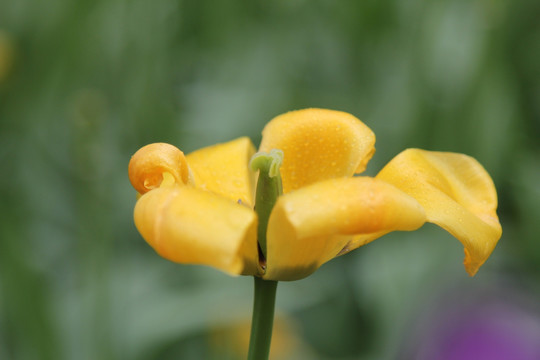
x: 198, y: 209
x: 281, y: 213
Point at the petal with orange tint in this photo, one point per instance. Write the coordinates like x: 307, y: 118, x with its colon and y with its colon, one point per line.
x: 457, y: 194
x: 149, y: 163
x: 314, y: 224
x: 223, y: 169
x: 187, y: 225
x: 318, y: 145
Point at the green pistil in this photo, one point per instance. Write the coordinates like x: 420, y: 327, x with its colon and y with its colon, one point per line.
x: 269, y: 188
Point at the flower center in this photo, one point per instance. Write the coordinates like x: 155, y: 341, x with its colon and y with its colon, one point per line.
x: 269, y: 188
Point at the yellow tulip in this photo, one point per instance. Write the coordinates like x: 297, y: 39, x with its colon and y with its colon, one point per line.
x: 198, y: 209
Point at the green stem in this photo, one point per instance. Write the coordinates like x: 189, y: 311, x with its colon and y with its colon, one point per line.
x: 263, y: 319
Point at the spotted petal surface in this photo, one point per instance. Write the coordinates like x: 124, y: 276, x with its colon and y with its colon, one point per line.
x: 318, y: 144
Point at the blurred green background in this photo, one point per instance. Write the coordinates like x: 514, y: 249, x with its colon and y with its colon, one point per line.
x: 84, y: 84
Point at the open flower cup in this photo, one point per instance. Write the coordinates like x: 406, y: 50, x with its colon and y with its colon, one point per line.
x: 198, y: 209
x: 281, y: 213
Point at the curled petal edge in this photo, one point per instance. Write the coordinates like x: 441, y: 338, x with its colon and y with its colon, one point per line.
x: 149, y: 163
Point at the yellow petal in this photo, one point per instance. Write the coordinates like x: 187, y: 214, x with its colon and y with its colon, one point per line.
x: 187, y: 225
x: 457, y: 194
x: 318, y: 145
x: 314, y: 224
x: 149, y: 163
x: 223, y: 169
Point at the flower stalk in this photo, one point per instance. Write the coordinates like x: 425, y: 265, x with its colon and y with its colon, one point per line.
x: 263, y: 319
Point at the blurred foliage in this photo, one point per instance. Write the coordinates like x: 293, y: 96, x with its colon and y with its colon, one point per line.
x: 84, y: 84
